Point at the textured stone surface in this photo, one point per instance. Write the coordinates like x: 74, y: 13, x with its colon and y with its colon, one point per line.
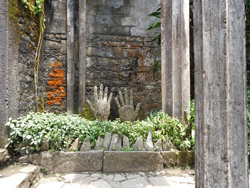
x: 55, y: 12
x: 167, y: 146
x: 138, y: 146
x: 45, y: 145
x: 18, y: 176
x: 75, y: 144
x: 119, y: 143
x: 100, y: 107
x: 51, y: 185
x: 158, y: 145
x: 125, y: 105
x: 183, y: 158
x: 149, y: 143
x: 113, y: 143
x: 107, y: 140
x: 132, y: 161
x: 99, y: 143
x: 86, y: 145
x: 125, y: 142
x: 131, y: 180
x: 121, y: 61
x: 69, y: 161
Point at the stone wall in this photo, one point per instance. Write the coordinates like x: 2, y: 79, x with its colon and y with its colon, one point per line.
x: 119, y: 51
x: 125, y: 62
x: 18, y: 38
x: 29, y: 33
x: 53, y: 65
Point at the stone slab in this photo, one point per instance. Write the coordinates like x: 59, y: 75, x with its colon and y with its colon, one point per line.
x: 51, y: 185
x: 133, y: 161
x: 13, y: 181
x: 107, y: 140
x: 138, y: 146
x: 183, y: 158
x: 17, y: 176
x: 66, y: 162
x: 138, y: 182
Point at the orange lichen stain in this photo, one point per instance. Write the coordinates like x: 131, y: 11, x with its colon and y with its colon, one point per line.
x: 58, y: 64
x: 57, y: 93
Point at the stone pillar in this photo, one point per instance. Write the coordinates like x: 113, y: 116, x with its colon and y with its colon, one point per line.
x: 220, y: 94
x: 175, y: 64
x: 82, y: 55
x: 3, y: 71
x: 70, y: 56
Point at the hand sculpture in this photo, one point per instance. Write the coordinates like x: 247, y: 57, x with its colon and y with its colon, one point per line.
x: 101, y: 107
x: 126, y: 108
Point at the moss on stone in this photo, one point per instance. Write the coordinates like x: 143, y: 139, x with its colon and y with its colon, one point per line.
x: 87, y: 113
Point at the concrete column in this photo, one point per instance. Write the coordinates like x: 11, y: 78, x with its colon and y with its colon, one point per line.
x: 70, y: 56
x: 82, y: 55
x: 175, y: 57
x: 3, y: 71
x: 220, y: 94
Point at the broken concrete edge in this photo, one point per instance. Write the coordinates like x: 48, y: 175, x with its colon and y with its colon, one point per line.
x: 109, y: 161
x: 32, y: 178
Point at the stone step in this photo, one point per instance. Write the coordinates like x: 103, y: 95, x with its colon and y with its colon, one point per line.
x: 19, y: 176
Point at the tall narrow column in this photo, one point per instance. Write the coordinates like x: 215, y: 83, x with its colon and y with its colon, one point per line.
x: 175, y: 57
x: 220, y: 94
x: 3, y: 71
x: 82, y: 54
x: 70, y: 56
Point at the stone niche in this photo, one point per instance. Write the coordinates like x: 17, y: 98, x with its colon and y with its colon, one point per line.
x: 119, y: 51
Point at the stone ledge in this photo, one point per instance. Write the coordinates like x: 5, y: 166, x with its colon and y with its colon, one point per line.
x: 134, y: 161
x: 183, y: 158
x: 65, y: 162
x: 109, y: 161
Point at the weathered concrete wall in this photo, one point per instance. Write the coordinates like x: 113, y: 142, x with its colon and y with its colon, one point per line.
x: 120, y: 17
x: 3, y: 71
x: 220, y: 94
x: 119, y: 51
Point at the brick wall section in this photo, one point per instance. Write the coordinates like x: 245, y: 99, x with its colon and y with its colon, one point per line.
x: 119, y: 53
x: 53, y: 65
x: 125, y: 62
x: 53, y: 72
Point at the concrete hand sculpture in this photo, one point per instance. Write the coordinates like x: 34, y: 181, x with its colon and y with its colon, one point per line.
x: 101, y: 107
x: 126, y: 108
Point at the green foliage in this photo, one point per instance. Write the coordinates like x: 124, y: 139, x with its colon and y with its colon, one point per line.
x: 36, y: 127
x: 247, y: 6
x: 156, y: 25
x: 44, y: 170
x: 192, y: 115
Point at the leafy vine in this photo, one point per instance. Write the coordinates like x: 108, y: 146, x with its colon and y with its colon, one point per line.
x: 37, y: 8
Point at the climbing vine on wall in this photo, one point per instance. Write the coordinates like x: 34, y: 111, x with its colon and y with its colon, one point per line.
x: 37, y: 8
